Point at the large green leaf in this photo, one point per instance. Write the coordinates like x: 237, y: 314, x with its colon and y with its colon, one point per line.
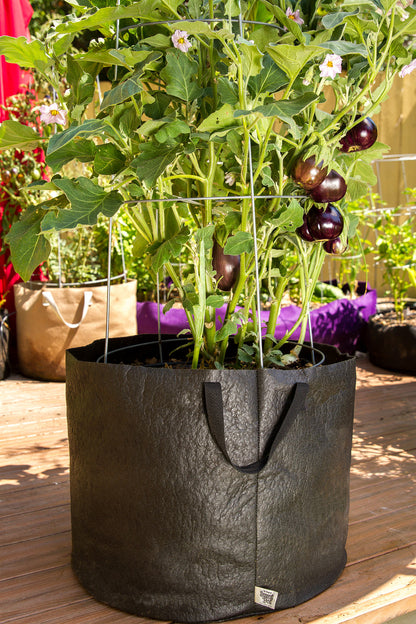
x: 221, y: 118
x: 79, y: 149
x: 30, y: 55
x: 241, y: 242
x: 290, y: 218
x: 269, y: 80
x: 27, y: 247
x: 108, y: 159
x: 342, y: 48
x: 125, y: 57
x: 18, y: 136
x: 89, y: 128
x: 179, y: 74
x: 169, y: 249
x: 152, y: 161
x: 228, y: 91
x: 251, y: 58
x: 331, y: 20
x: 144, y: 10
x: 284, y: 109
x: 131, y: 86
x: 292, y: 59
x: 82, y: 85
x: 87, y: 199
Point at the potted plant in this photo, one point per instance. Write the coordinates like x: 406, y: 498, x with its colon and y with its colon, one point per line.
x: 215, y: 487
x: 70, y: 309
x: 391, y: 333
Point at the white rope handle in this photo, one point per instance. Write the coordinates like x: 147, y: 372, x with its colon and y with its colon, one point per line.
x: 49, y: 300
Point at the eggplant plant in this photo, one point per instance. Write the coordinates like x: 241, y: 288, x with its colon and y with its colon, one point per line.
x: 228, y: 128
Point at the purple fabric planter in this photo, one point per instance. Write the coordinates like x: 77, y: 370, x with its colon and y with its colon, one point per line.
x: 340, y: 323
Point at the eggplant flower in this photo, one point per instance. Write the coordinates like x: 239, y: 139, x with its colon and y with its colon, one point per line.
x: 52, y: 114
x: 331, y: 66
x: 229, y: 178
x: 294, y: 15
x: 407, y: 69
x: 180, y: 40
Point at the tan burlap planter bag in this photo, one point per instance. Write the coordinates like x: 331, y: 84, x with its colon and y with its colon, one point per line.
x: 51, y: 320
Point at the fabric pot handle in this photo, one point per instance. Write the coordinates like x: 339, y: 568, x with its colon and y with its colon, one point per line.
x: 215, y: 415
x: 47, y: 295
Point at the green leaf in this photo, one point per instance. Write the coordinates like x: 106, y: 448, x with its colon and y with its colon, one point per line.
x: 251, y: 58
x: 108, y: 159
x: 292, y: 59
x: 30, y: 55
x: 289, y: 218
x: 357, y: 189
x: 168, y: 250
x: 130, y: 87
x: 104, y: 18
x: 287, y: 109
x: 157, y: 109
x: 82, y: 83
x: 125, y: 57
x: 227, y: 90
x: 27, y: 247
x: 364, y: 171
x: 171, y: 130
x: 90, y: 128
x: 288, y: 23
x: 352, y: 225
x: 263, y: 36
x: 331, y: 20
x: 79, y: 149
x: 205, y: 234
x: 241, y: 242
x: 220, y: 119
x: 269, y: 80
x: 215, y: 301
x: 179, y: 75
x: 140, y: 245
x: 87, y: 199
x: 228, y: 329
x: 15, y: 135
x: 342, y: 48
x: 152, y: 161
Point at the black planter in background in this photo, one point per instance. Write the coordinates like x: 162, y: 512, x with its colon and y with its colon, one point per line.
x: 199, y: 495
x: 391, y: 346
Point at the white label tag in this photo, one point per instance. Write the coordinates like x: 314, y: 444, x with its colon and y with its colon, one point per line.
x: 265, y: 597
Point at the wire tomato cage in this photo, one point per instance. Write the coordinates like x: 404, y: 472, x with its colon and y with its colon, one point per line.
x: 196, y: 200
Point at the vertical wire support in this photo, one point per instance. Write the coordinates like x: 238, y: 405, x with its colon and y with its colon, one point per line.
x: 59, y: 261
x: 107, y: 318
x: 110, y: 232
x: 253, y: 210
x: 58, y: 235
x: 311, y: 334
x: 123, y: 259
x: 159, y: 332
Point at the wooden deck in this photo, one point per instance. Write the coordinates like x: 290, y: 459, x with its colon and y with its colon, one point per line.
x: 37, y: 585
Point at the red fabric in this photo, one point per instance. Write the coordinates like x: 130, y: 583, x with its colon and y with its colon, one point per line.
x: 15, y: 16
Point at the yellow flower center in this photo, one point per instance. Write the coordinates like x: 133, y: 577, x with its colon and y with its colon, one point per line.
x: 181, y: 40
x: 291, y: 17
x: 330, y: 64
x: 53, y: 112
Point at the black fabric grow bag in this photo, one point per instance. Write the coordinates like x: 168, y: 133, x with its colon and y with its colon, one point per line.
x: 185, y: 511
x: 391, y: 346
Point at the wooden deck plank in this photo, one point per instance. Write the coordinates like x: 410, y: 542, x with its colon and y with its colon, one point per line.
x: 378, y: 583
